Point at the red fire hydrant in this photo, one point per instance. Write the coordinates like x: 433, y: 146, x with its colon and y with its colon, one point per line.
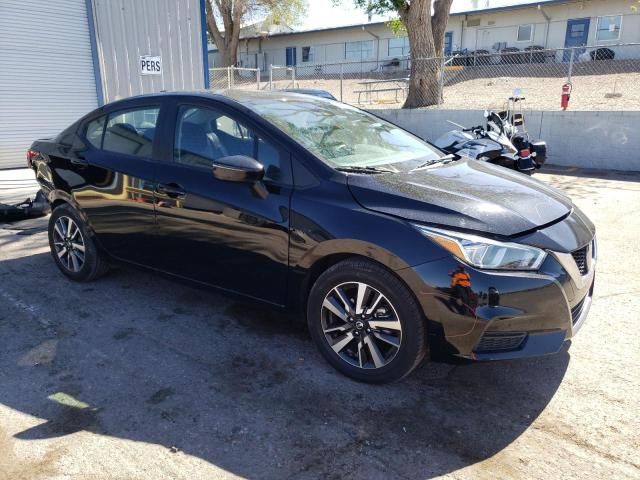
x: 566, y: 95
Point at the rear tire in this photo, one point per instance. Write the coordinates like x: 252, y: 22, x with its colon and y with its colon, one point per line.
x: 366, y: 322
x: 73, y: 248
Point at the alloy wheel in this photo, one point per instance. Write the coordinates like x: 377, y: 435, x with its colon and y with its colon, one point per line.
x: 361, y: 325
x: 69, y: 244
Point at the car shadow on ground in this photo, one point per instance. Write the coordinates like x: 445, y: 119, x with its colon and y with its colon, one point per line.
x: 138, y: 357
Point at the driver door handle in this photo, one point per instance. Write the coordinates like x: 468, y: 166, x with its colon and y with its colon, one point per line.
x: 171, y: 190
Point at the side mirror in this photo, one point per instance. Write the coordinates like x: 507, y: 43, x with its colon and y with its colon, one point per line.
x: 238, y: 168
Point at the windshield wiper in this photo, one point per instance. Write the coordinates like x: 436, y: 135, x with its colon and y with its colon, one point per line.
x: 357, y: 169
x: 446, y: 159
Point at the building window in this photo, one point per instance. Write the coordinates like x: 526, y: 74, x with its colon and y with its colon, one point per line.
x: 358, y: 50
x: 609, y: 27
x: 525, y: 33
x: 307, y: 54
x: 399, y: 47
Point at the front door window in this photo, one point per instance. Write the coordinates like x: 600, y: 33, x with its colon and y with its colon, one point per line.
x: 204, y: 135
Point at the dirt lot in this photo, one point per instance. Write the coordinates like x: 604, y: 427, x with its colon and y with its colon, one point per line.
x: 138, y: 377
x: 595, y: 86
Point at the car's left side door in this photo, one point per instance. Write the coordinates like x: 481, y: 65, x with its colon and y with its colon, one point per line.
x: 231, y: 235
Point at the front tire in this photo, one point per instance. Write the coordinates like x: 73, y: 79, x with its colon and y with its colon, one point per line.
x: 73, y: 248
x: 365, y: 322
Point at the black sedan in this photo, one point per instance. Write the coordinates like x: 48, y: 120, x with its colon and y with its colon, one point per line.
x: 392, y: 250
x: 311, y: 91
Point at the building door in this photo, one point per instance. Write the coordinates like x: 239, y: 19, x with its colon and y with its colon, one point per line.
x: 577, y: 36
x: 291, y: 56
x: 448, y: 43
x: 46, y: 84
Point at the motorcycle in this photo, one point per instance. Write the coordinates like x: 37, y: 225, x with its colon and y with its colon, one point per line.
x: 503, y: 141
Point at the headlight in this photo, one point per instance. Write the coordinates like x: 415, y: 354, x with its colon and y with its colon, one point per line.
x: 486, y: 253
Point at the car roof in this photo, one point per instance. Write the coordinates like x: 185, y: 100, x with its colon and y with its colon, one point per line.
x: 243, y: 97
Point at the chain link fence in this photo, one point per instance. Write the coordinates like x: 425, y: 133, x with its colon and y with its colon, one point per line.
x: 603, y: 78
x: 234, y: 77
x: 281, y: 77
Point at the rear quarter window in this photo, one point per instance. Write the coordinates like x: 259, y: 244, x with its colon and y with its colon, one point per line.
x: 94, y: 132
x: 68, y: 136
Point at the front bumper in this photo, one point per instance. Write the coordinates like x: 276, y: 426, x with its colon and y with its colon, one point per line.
x: 503, y: 315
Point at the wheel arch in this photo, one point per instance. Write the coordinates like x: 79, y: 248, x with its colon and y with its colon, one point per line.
x: 325, y: 255
x: 320, y: 260
x: 60, y: 197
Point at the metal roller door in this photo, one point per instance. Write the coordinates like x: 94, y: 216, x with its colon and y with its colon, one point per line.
x: 46, y: 72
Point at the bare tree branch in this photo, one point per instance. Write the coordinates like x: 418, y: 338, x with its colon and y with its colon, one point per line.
x: 225, y: 19
x: 439, y: 22
x: 212, y: 27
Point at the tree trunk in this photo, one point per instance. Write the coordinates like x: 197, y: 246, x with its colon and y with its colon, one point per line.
x: 226, y: 43
x: 424, y: 83
x: 424, y: 76
x: 228, y: 54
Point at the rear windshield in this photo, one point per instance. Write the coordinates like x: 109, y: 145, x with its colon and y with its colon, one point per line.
x: 339, y: 134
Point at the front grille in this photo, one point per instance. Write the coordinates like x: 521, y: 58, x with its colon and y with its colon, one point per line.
x: 500, y: 341
x: 580, y: 256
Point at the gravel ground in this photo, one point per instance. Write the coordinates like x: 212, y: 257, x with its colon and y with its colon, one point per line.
x: 138, y: 377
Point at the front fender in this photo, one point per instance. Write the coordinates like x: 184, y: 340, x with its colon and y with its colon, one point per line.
x: 350, y: 246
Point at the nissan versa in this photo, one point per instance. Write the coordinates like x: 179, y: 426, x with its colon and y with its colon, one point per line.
x: 392, y: 249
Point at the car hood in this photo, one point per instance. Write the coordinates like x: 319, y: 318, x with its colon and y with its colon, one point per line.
x: 464, y: 194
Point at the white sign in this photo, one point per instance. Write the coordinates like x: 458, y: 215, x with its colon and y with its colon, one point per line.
x: 150, y: 65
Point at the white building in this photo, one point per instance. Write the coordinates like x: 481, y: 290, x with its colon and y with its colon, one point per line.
x: 549, y: 24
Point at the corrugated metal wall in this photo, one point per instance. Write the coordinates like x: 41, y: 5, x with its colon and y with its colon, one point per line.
x: 46, y: 72
x: 127, y: 29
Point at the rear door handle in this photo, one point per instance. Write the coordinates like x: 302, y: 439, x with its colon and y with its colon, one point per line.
x: 171, y: 190
x: 79, y: 159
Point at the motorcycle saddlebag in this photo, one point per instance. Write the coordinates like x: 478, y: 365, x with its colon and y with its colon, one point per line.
x: 540, y: 149
x: 525, y: 164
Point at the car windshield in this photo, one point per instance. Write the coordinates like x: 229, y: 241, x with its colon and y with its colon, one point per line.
x: 339, y: 134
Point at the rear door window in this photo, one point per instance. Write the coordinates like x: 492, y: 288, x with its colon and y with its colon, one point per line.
x: 131, y: 131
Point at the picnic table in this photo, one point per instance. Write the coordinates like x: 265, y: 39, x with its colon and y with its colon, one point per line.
x: 400, y: 86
